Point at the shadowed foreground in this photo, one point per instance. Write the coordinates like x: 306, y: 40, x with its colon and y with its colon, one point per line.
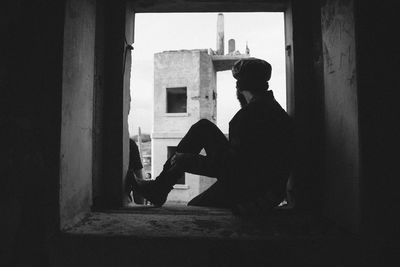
x: 196, y: 236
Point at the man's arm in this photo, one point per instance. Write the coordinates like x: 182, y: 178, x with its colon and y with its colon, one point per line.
x: 138, y: 173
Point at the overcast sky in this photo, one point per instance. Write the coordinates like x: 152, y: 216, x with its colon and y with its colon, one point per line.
x: 159, y: 32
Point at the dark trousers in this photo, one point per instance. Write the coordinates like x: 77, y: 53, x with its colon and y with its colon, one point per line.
x: 206, y: 135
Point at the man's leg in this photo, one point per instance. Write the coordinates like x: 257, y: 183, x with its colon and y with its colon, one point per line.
x: 203, y: 134
x: 216, y: 195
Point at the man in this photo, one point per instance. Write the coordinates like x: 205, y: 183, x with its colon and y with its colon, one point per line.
x: 253, y: 167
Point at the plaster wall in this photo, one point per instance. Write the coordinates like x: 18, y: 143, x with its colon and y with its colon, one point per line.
x: 208, y: 104
x: 98, y: 105
x: 341, y: 197
x: 77, y: 110
x: 378, y: 82
x: 118, y: 31
x: 176, y: 69
x: 208, y: 88
x: 194, y: 70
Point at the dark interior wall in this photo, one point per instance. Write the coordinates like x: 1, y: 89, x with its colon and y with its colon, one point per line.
x: 30, y: 112
x: 31, y: 81
x: 76, y: 149
x: 341, y: 188
x: 307, y: 104
x: 114, y: 125
x: 98, y: 105
x: 378, y: 60
x: 114, y: 31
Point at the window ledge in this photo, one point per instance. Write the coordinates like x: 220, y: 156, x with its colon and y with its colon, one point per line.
x: 175, y: 235
x: 199, y: 222
x: 176, y: 114
x: 181, y: 186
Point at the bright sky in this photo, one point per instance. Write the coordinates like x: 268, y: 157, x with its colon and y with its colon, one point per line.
x: 159, y: 32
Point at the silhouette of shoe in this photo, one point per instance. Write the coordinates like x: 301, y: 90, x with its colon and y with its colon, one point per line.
x: 152, y: 190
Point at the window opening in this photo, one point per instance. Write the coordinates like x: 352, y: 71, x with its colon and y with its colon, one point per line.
x: 173, y: 86
x: 176, y: 100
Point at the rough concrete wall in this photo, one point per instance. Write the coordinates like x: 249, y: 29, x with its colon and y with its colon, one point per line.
x: 205, y: 183
x: 176, y: 69
x: 30, y: 106
x: 208, y: 105
x: 192, y: 69
x: 98, y: 106
x: 77, y: 110
x: 214, y: 95
x: 208, y: 85
x: 305, y: 95
x: 341, y: 198
x: 115, y: 103
x: 377, y: 69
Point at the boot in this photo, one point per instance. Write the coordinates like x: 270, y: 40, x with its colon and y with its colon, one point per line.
x: 156, y: 191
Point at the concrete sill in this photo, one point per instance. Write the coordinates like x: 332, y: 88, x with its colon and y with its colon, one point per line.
x: 180, y: 221
x: 174, y: 235
x: 176, y: 114
x: 181, y: 186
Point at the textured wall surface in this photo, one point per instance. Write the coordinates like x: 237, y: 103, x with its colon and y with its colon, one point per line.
x: 77, y: 110
x: 208, y: 88
x: 194, y: 70
x: 341, y: 113
x: 176, y: 69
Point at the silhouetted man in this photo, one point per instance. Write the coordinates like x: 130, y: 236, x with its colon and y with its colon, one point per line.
x: 252, y: 167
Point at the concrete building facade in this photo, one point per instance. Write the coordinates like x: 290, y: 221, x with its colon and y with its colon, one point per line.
x: 185, y: 91
x: 190, y: 74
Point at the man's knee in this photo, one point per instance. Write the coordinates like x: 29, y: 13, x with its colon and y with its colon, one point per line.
x: 203, y: 123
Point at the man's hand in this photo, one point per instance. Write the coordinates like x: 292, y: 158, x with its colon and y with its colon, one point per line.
x: 179, y: 158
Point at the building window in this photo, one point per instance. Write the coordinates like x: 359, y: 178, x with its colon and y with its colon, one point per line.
x: 171, y: 151
x: 176, y: 100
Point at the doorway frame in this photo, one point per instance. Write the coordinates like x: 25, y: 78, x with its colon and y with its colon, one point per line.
x: 114, y: 33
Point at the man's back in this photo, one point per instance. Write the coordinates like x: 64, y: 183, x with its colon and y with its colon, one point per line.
x: 261, y: 135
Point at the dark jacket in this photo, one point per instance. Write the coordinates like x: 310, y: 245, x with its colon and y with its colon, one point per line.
x: 261, y: 144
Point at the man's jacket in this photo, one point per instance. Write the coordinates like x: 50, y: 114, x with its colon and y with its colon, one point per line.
x: 261, y: 149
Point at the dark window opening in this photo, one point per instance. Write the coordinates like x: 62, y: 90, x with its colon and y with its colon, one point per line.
x: 176, y: 100
x: 171, y: 151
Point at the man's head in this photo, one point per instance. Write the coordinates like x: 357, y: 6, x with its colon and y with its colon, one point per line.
x: 252, y: 75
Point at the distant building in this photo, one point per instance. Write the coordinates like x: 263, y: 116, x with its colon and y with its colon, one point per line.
x: 185, y: 91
